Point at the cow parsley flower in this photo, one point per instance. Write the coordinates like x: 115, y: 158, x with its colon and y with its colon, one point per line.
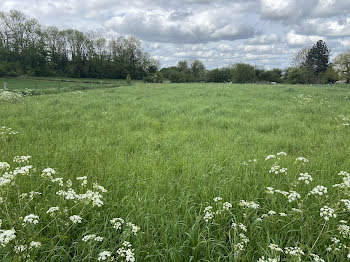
x: 117, y: 223
x: 31, y: 219
x: 21, y: 159
x: 263, y: 259
x: 319, y: 190
x: 52, y: 210
x: 294, y: 251
x: 226, y: 206
x: 105, y: 255
x: 134, y: 228
x: 217, y: 199
x: 305, y: 177
x: 293, y: 196
x: 48, y: 173
x: 275, y: 247
x: 100, y: 188
x: 58, y: 180
x: 249, y: 204
x: 316, y: 258
x: 277, y: 170
x: 327, y: 213
x: 270, y: 157
x: 76, y: 219
x: 34, y: 244
x: 208, y: 214
x: 346, y: 202
x: 4, y: 166
x: 126, y: 252
x: 302, y: 159
x: 6, y: 236
x: 282, y: 154
x: 83, y: 180
x: 92, y: 237
x: 20, y: 249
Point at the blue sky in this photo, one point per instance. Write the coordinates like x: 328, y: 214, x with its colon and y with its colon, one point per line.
x: 267, y: 33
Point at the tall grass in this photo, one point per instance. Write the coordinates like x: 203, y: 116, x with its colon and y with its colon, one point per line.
x: 164, y: 152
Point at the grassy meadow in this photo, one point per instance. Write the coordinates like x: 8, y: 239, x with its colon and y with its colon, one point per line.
x: 164, y: 152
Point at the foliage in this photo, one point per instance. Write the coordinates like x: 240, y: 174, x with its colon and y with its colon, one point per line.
x: 330, y: 76
x: 342, y: 65
x: 318, y: 57
x: 243, y: 73
x: 28, y: 48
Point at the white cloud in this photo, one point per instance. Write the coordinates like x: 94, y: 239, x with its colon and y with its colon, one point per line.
x: 295, y: 39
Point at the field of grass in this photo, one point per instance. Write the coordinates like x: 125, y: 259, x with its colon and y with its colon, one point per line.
x: 164, y: 152
x: 52, y: 85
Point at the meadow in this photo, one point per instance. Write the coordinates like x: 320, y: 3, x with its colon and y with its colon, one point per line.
x: 176, y: 172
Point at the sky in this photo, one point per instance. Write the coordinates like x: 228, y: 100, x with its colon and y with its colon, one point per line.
x: 266, y: 33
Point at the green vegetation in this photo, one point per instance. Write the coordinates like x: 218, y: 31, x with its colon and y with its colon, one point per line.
x: 164, y: 152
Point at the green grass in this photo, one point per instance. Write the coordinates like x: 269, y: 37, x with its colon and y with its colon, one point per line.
x: 52, y: 85
x: 164, y: 151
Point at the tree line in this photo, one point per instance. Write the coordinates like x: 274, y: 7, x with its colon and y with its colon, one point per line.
x: 310, y: 66
x: 28, y: 48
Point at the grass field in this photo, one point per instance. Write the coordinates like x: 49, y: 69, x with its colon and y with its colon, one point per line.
x: 164, y: 152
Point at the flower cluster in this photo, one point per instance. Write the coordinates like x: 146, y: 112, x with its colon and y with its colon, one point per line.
x: 278, y: 170
x: 305, y: 177
x: 327, y: 213
x: 319, y: 190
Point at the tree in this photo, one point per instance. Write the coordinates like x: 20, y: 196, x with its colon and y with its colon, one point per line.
x: 318, y: 57
x: 198, y: 70
x: 342, y: 65
x: 330, y: 76
x: 300, y: 58
x: 243, y: 73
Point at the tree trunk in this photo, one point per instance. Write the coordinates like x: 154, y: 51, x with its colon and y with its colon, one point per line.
x: 5, y: 86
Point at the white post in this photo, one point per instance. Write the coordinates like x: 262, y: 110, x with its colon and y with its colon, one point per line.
x: 5, y: 86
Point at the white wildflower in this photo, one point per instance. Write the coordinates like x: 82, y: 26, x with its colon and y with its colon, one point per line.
x: 48, y: 172
x: 226, y: 206
x: 76, y: 219
x: 34, y: 244
x: 217, y: 199
x: 327, y: 213
x: 263, y: 259
x: 278, y: 170
x: 92, y: 237
x: 105, y: 255
x: 208, y: 214
x: 4, y: 166
x: 305, y: 177
x: 134, y: 228
x: 52, y: 210
x: 283, y: 214
x: 316, y: 258
x: 275, y: 247
x: 100, y: 188
x: 249, y: 204
x: 346, y: 202
x: 302, y: 159
x: 7, y: 236
x: 117, y: 223
x: 293, y: 196
x: 270, y: 157
x: 282, y: 154
x: 270, y: 190
x: 319, y: 190
x: 20, y: 249
x: 294, y: 251
x: 58, y: 180
x: 83, y: 180
x: 31, y: 219
x: 21, y: 159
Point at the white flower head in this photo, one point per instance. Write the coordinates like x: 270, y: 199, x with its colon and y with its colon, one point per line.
x: 76, y: 219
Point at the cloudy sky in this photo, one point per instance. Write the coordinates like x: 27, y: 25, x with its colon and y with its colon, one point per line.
x: 267, y: 33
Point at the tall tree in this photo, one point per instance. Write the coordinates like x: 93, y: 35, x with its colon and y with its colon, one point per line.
x: 318, y: 57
